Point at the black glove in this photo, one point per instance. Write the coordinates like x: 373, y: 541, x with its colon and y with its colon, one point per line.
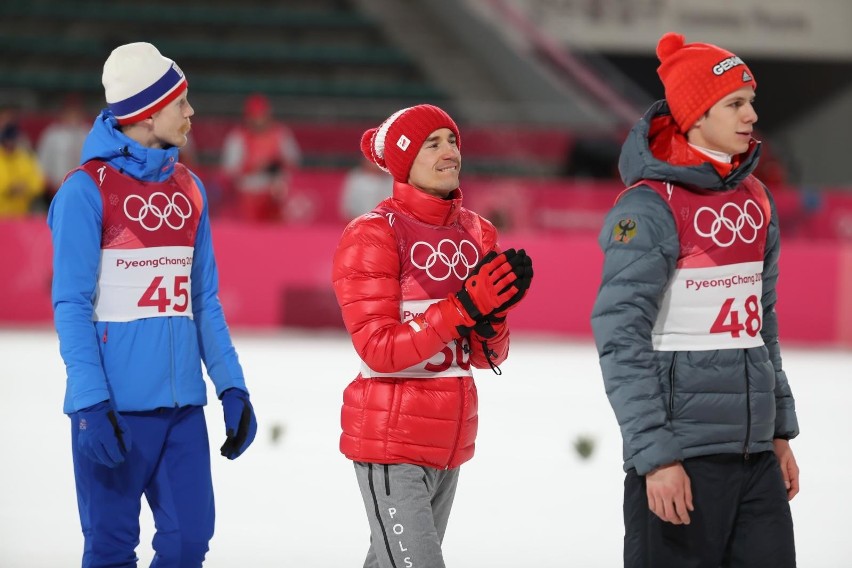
x: 240, y: 422
x: 103, y: 436
x: 523, y: 270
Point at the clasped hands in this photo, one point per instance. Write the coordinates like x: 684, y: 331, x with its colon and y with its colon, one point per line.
x: 497, y: 284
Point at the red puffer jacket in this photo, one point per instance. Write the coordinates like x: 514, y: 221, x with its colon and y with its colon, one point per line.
x: 415, y: 400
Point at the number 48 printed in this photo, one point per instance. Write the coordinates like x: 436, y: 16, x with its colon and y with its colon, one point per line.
x: 158, y: 296
x: 728, y: 320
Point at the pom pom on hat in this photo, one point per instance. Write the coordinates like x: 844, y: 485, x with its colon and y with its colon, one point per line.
x: 697, y: 75
x: 139, y: 81
x: 396, y: 142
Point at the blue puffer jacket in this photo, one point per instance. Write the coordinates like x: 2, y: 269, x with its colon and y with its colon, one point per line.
x: 147, y: 363
x: 673, y: 405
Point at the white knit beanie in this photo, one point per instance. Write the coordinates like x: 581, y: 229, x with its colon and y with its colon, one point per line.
x: 139, y: 81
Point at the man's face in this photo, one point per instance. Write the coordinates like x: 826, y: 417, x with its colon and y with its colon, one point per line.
x: 728, y: 125
x: 172, y: 124
x: 436, y: 168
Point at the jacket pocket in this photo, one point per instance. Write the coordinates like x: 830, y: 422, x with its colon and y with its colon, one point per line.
x: 672, y: 373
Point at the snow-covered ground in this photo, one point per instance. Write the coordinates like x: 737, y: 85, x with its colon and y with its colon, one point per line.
x: 526, y: 500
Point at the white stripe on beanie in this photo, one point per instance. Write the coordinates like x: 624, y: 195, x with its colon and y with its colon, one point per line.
x: 382, y: 132
x: 138, y: 80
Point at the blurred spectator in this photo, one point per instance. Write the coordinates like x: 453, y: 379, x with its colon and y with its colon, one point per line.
x: 364, y: 187
x: 21, y: 179
x: 61, y: 143
x: 773, y: 168
x: 258, y: 157
x: 189, y: 154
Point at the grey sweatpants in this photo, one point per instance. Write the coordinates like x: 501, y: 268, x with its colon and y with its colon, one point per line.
x: 408, y: 507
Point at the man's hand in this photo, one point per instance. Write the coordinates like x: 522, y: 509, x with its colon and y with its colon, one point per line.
x: 489, y: 286
x: 103, y: 435
x: 522, y: 267
x: 670, y: 493
x: 789, y: 467
x: 240, y: 422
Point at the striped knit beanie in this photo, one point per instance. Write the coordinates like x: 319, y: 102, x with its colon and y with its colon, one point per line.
x: 139, y: 81
x: 397, y: 141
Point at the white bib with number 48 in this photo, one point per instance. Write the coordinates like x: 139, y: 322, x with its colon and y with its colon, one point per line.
x: 711, y: 308
x: 713, y: 300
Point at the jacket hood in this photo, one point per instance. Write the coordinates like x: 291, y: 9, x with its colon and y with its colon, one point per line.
x: 107, y: 143
x: 426, y: 207
x: 638, y: 161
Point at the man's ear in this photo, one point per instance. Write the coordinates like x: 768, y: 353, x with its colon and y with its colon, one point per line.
x: 701, y: 119
x: 696, y: 125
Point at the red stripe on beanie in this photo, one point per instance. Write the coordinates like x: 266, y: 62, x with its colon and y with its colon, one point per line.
x: 149, y: 111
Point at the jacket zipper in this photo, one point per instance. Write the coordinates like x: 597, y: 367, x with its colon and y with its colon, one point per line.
x: 450, y: 213
x: 172, y: 362
x: 106, y: 327
x: 672, y: 384
x: 459, y: 424
x: 748, y: 410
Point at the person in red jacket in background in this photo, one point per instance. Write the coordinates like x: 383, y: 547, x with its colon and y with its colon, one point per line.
x: 424, y: 290
x: 258, y: 158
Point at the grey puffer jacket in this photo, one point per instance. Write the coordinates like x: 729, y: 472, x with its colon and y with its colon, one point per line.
x: 673, y: 405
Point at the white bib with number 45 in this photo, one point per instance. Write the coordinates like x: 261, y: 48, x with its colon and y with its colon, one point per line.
x: 144, y: 283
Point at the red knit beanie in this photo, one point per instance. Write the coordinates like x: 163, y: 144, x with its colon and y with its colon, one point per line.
x: 697, y: 75
x: 397, y: 141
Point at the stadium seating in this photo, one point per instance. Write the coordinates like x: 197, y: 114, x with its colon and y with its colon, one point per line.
x: 322, y: 49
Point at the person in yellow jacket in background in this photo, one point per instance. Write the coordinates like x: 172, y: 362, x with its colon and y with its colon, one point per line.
x: 22, y: 181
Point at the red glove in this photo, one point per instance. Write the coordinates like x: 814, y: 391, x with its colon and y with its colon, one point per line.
x: 522, y: 267
x: 489, y: 287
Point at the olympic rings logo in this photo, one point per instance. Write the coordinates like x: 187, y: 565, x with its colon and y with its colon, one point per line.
x: 154, y: 212
x: 457, y: 259
x: 743, y: 223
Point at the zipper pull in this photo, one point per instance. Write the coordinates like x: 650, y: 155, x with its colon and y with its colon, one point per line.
x: 106, y: 327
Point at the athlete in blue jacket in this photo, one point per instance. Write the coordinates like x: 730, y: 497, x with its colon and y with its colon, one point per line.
x: 135, y: 304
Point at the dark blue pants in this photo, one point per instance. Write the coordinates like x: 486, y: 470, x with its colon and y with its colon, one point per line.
x: 169, y: 463
x: 741, y: 519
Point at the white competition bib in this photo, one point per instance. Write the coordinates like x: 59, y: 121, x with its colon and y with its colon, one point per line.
x: 708, y: 308
x: 144, y: 283
x: 452, y: 361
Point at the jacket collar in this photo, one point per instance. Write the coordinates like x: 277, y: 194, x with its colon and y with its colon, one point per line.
x: 656, y: 150
x: 426, y: 207
x: 107, y: 143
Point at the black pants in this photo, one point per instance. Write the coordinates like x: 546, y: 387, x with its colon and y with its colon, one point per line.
x: 741, y: 519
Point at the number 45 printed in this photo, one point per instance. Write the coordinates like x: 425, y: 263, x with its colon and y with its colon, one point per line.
x: 158, y: 296
x: 728, y: 320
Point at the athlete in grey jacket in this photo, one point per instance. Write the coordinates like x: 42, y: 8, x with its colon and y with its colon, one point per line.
x: 686, y: 329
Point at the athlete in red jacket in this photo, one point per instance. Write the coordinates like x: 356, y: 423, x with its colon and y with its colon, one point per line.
x: 424, y: 291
